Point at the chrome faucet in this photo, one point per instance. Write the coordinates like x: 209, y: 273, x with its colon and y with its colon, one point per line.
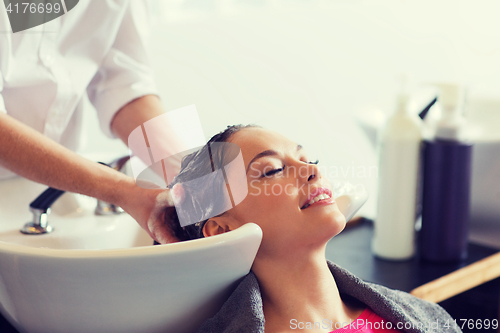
x: 40, y: 208
x: 106, y: 208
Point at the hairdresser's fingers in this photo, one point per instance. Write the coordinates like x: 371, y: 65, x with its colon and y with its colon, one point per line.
x: 163, y: 235
x: 160, y: 232
x: 164, y: 209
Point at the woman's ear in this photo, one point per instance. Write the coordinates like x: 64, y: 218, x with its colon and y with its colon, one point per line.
x: 215, y: 227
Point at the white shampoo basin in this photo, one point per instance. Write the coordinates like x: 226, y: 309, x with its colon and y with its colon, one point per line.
x: 101, y: 273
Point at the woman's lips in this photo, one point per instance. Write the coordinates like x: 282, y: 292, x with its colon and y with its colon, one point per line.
x: 328, y: 201
x: 319, y: 191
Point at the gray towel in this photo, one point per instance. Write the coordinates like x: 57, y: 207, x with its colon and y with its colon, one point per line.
x: 243, y: 310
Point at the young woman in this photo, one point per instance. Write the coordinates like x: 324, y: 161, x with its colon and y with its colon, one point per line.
x: 291, y: 285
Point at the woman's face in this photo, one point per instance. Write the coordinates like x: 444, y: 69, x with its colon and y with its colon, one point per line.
x: 282, y: 181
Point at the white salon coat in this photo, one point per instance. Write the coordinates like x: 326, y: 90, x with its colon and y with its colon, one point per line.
x: 94, y: 56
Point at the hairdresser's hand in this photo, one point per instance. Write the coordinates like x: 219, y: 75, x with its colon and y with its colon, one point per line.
x: 150, y: 208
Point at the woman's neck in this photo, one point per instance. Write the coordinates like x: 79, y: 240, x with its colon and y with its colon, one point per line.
x: 301, y: 290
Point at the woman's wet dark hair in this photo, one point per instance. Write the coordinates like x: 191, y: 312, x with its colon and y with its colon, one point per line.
x: 195, y: 165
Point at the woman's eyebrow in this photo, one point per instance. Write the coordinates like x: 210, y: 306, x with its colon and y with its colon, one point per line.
x: 265, y: 153
x: 269, y: 152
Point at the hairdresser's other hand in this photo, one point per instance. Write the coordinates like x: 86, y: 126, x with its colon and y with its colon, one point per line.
x: 150, y: 208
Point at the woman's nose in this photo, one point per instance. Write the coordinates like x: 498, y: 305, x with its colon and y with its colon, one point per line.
x: 312, y: 173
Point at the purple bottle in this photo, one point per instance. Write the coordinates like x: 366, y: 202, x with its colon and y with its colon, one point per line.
x: 446, y: 185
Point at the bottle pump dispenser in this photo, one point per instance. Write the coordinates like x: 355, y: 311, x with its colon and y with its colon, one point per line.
x: 446, y: 183
x: 399, y: 150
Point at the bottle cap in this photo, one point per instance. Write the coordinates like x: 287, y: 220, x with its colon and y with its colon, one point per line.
x: 450, y: 127
x: 403, y: 95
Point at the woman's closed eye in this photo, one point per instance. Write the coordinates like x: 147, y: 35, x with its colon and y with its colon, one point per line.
x: 278, y: 170
x: 273, y: 171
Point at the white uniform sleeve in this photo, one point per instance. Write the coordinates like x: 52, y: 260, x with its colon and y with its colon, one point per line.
x: 2, y: 104
x: 3, y: 26
x: 125, y: 73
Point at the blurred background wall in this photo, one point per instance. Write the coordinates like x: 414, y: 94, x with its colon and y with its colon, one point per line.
x: 310, y: 68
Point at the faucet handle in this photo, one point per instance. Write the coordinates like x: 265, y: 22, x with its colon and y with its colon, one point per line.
x: 118, y: 163
x: 46, y: 199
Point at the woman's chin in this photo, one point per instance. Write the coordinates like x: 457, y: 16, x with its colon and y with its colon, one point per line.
x: 332, y: 228
x: 338, y: 223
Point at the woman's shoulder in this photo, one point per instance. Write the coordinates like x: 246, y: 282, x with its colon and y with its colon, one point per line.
x: 393, y: 305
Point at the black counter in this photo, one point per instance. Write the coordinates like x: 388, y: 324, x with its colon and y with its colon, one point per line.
x: 351, y: 249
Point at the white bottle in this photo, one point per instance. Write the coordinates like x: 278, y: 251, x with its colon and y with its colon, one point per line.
x: 399, y: 151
